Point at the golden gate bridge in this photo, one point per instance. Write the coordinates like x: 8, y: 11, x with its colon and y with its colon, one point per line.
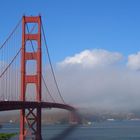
x: 27, y: 78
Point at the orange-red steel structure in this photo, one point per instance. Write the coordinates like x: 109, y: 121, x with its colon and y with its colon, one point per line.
x: 30, y: 119
x: 30, y: 110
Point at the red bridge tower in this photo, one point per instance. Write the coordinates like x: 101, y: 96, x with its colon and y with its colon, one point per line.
x: 30, y: 119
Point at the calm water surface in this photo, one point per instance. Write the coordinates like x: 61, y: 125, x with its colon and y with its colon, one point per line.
x: 113, y: 130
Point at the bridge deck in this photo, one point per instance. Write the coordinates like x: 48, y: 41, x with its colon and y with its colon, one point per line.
x: 16, y: 105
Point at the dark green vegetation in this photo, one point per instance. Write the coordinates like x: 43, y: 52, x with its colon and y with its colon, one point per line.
x: 7, y: 136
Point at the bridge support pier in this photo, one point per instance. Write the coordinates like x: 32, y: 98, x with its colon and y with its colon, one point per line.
x: 38, y: 135
x: 22, y: 131
x: 32, y: 118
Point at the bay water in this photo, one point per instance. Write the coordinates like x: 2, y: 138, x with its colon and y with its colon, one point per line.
x: 109, y: 130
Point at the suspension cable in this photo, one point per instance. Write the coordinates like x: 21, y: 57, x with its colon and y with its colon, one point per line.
x: 11, y: 34
x: 51, y: 64
x: 10, y: 63
x: 47, y: 89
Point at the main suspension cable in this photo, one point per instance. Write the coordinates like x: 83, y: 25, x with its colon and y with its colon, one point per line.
x: 11, y: 34
x: 10, y: 63
x: 51, y: 64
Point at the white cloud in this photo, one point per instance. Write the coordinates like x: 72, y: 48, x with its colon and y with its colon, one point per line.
x: 105, y: 87
x: 134, y: 61
x: 92, y: 58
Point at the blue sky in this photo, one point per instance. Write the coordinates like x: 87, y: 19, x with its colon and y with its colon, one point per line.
x: 72, y: 26
x: 102, y: 32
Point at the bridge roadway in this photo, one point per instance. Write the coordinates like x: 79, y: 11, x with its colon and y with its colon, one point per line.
x: 17, y: 105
